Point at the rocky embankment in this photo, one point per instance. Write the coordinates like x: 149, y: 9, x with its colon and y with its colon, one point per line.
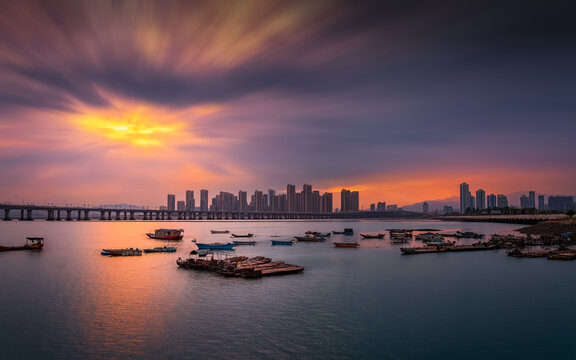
x: 551, y: 227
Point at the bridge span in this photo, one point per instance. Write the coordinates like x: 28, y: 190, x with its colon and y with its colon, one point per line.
x: 79, y: 213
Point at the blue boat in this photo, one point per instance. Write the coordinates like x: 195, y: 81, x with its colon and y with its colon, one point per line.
x: 216, y: 246
x: 282, y: 242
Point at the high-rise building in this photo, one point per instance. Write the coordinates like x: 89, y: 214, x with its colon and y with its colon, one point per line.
x: 344, y: 200
x: 307, y: 197
x: 316, y: 201
x: 203, y: 200
x: 541, y: 204
x: 560, y: 203
x: 501, y: 201
x: 190, y: 202
x: 242, y: 200
x: 392, y: 207
x: 532, y: 200
x: 282, y: 203
x: 491, y: 201
x: 181, y: 205
x: 381, y: 206
x: 466, y: 201
x: 326, y: 203
x: 524, y: 202
x: 271, y: 197
x: 257, y: 201
x: 425, y: 208
x: 354, y: 201
x: 291, y: 197
x: 480, y: 199
x: 171, y: 202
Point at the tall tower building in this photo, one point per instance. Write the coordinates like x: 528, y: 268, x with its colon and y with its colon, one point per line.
x: 541, y: 204
x: 271, y: 196
x: 502, y: 201
x: 307, y: 197
x: 344, y: 200
x: 480, y: 199
x: 532, y: 200
x: 524, y: 202
x: 291, y: 197
x: 491, y: 201
x: 425, y: 208
x: 171, y: 202
x: 354, y: 201
x: 242, y: 200
x: 326, y: 203
x: 465, y: 198
x: 204, y: 200
x: 190, y: 202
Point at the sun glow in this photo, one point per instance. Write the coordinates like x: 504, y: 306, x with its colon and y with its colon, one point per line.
x: 140, y: 124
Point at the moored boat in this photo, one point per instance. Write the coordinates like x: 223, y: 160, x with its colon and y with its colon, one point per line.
x: 347, y: 231
x: 282, y: 242
x: 163, y: 249
x: 244, y: 242
x: 32, y: 243
x: 216, y: 246
x: 422, y: 250
x: 369, y: 236
x: 220, y: 231
x: 121, y: 252
x: 242, y: 235
x: 346, y: 245
x: 310, y: 238
x: 166, y: 234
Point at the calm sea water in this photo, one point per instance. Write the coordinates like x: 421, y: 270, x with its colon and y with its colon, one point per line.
x: 68, y: 301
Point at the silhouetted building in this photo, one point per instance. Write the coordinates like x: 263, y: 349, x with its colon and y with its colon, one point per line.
x: 532, y: 200
x: 181, y: 205
x: 480, y: 199
x: 425, y: 208
x: 524, y: 202
x: 291, y: 197
x: 491, y: 199
x: 381, y: 206
x: 171, y: 202
x: 271, y: 198
x: 307, y: 198
x: 501, y: 201
x: 354, y: 201
x: 466, y: 201
x: 190, y: 202
x: 257, y: 203
x: 203, y: 200
x: 326, y: 203
x: 242, y: 200
x: 282, y: 203
x: 560, y: 203
x: 392, y: 207
x: 541, y: 204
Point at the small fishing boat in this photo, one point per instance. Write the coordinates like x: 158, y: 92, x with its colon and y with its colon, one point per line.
x: 346, y: 245
x: 166, y: 234
x: 216, y: 246
x: 163, y: 249
x: 309, y: 238
x: 317, y: 233
x: 282, y: 242
x: 244, y: 242
x: 242, y: 235
x: 220, y: 231
x: 32, y: 243
x: 121, y: 252
x: 423, y: 250
x: 368, y: 236
x: 347, y: 231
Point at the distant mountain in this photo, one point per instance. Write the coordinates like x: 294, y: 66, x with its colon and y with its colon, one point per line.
x: 433, y: 205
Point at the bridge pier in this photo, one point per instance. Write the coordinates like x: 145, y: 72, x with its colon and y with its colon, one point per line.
x: 7, y: 215
x: 68, y: 215
x: 50, y: 215
x: 86, y: 215
x: 29, y: 215
x: 132, y: 215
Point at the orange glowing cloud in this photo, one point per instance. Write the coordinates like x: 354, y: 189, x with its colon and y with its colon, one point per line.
x: 140, y: 124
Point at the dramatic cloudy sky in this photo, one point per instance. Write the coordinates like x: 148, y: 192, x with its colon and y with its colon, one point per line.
x: 126, y: 101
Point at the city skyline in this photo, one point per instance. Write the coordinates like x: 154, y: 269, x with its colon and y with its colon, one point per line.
x: 107, y: 101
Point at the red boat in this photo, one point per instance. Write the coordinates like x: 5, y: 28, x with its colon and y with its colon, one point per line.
x: 32, y: 243
x: 167, y: 234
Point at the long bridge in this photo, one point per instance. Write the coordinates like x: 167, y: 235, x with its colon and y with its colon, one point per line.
x: 30, y: 212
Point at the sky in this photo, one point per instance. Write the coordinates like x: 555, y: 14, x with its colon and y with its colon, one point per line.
x: 126, y: 101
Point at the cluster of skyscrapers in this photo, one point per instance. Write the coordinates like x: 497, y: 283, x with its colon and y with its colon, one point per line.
x: 305, y: 201
x: 481, y: 201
